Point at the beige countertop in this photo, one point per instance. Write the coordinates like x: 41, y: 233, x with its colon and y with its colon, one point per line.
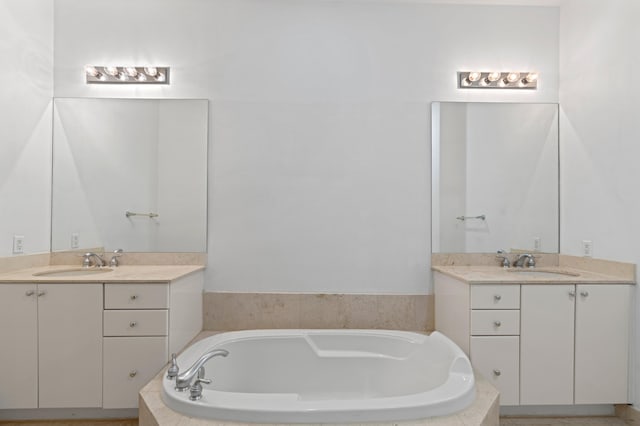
x: 477, y: 274
x: 120, y: 274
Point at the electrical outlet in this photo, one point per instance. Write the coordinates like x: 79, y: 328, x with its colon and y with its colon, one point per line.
x: 18, y: 244
x: 587, y: 248
x: 75, y: 241
x: 536, y: 244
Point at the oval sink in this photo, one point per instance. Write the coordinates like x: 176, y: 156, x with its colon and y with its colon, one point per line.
x: 544, y: 274
x: 75, y: 272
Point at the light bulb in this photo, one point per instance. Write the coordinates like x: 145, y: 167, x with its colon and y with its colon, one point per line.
x: 474, y: 76
x: 141, y: 77
x: 151, y: 71
x: 512, y: 77
x: 160, y: 77
x: 465, y: 82
x: 493, y: 76
x: 91, y: 70
x: 123, y: 76
x: 112, y: 71
x: 131, y: 71
x: 530, y: 78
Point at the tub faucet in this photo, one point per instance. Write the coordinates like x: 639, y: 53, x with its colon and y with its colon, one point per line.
x: 520, y: 261
x: 183, y: 380
x: 86, y: 261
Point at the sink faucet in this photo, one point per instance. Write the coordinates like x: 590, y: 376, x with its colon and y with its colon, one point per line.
x: 114, y: 258
x: 86, y: 261
x: 520, y: 261
x: 183, y: 380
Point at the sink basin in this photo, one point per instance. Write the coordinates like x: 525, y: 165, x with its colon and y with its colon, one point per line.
x: 543, y: 274
x: 75, y: 272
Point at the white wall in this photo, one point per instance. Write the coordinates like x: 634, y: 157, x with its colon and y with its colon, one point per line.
x: 319, y: 164
x: 26, y: 64
x: 600, y: 134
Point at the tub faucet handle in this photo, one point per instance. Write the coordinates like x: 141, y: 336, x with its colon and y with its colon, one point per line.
x: 173, y: 370
x: 195, y: 391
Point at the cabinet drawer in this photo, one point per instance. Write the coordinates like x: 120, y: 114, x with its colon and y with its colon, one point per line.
x: 495, y: 296
x: 136, y: 296
x: 497, y: 359
x: 136, y: 323
x: 129, y: 363
x: 490, y: 322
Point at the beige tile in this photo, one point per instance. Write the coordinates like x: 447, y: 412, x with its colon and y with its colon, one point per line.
x: 79, y: 422
x: 360, y: 311
x: 322, y: 311
x: 561, y: 421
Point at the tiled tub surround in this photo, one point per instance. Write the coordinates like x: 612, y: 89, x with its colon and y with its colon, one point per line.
x: 243, y: 311
x: 115, y: 328
x: 542, y: 340
x: 483, y: 411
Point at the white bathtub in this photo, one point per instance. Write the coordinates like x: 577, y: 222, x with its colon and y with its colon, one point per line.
x: 327, y: 376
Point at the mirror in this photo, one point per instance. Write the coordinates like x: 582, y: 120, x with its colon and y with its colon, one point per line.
x: 147, y: 157
x: 495, y: 181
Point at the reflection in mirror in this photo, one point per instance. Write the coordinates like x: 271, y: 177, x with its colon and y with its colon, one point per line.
x: 112, y: 156
x: 494, y: 177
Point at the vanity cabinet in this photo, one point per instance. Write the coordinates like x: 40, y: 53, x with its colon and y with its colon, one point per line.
x: 575, y: 344
x: 541, y: 344
x: 55, y: 359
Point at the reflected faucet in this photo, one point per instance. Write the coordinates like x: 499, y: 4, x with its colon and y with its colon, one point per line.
x: 520, y: 261
x: 183, y: 380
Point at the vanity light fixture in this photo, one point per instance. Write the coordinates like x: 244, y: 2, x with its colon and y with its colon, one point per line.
x: 95, y: 74
x: 497, y: 80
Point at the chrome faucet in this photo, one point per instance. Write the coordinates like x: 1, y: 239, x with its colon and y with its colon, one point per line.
x: 501, y: 254
x: 529, y: 263
x: 183, y: 380
x: 86, y: 260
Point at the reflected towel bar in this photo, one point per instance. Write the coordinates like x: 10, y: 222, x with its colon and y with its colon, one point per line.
x: 463, y: 218
x: 151, y: 215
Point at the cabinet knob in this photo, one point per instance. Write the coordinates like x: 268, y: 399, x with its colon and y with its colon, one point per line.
x: 584, y: 293
x: 497, y: 297
x: 497, y: 323
x: 497, y: 372
x: 134, y: 296
x: 41, y: 293
x: 133, y: 324
x: 133, y: 373
x: 30, y: 292
x: 572, y: 293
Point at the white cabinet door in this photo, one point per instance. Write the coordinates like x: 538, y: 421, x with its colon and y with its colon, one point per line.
x: 496, y: 358
x: 19, y: 354
x: 546, y: 344
x: 70, y: 340
x: 602, y: 343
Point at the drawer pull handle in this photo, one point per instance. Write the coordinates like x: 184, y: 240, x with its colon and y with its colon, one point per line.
x: 133, y: 373
x: 497, y: 323
x: 497, y: 297
x: 584, y: 293
x: 497, y: 372
x: 30, y: 292
x: 133, y: 324
x: 134, y: 296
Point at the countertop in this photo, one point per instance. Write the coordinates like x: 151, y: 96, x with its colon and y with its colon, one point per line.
x: 499, y: 275
x: 120, y: 274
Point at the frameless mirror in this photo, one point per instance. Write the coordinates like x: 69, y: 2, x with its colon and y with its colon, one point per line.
x: 495, y: 181
x: 130, y: 174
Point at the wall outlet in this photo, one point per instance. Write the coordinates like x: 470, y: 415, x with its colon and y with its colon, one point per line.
x: 587, y: 248
x: 536, y: 244
x: 18, y: 244
x: 75, y: 241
